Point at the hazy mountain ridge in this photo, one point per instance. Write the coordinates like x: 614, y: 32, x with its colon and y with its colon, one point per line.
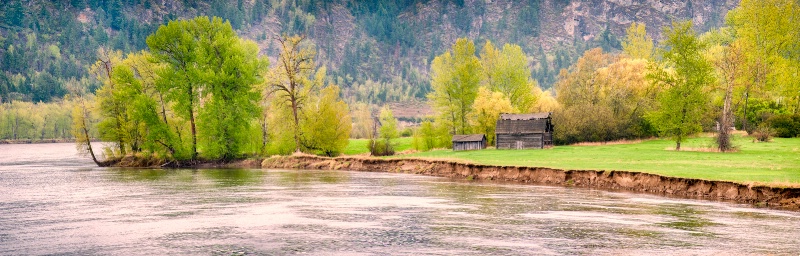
x: 377, y: 51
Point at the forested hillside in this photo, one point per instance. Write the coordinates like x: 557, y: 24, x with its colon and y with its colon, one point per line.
x: 377, y: 51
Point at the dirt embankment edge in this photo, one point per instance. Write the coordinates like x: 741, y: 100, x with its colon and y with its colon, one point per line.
x: 773, y: 197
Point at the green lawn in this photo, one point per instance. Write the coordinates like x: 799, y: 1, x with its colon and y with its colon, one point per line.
x: 359, y: 146
x: 776, y: 163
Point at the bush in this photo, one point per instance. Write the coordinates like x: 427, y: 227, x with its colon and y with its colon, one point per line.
x: 380, y: 148
x: 763, y: 133
x: 785, y: 125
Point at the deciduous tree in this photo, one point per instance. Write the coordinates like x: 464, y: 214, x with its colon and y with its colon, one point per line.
x: 455, y: 77
x: 486, y: 111
x: 684, y: 98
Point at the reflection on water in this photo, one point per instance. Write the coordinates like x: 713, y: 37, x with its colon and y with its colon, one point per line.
x: 55, y: 203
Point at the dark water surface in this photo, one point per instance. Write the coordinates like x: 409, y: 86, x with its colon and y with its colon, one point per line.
x: 54, y: 202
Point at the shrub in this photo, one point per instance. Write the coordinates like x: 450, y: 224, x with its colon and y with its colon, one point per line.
x: 785, y: 125
x: 380, y: 148
x: 763, y: 133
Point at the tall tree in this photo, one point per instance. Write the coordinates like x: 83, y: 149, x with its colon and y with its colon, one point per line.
x: 685, y: 82
x: 455, y: 77
x: 208, y: 77
x: 637, y: 43
x: 81, y: 123
x: 769, y: 31
x: 231, y: 71
x: 292, y: 78
x: 729, y: 68
x: 176, y: 46
x: 507, y: 71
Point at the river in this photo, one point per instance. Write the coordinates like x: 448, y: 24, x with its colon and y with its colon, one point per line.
x: 53, y: 201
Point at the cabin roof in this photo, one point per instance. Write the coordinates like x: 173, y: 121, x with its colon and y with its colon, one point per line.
x: 530, y: 116
x: 469, y: 138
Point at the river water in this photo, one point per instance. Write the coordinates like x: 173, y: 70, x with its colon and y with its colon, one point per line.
x: 55, y: 202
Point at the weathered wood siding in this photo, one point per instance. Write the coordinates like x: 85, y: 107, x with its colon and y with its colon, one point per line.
x: 469, y: 145
x: 520, y: 141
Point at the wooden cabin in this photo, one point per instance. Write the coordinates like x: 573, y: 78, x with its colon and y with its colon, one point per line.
x: 524, y: 131
x: 469, y: 142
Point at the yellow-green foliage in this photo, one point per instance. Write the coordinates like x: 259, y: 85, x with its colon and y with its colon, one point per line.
x: 35, y: 121
x: 326, y: 123
x: 603, y: 98
x: 487, y: 109
x: 638, y: 44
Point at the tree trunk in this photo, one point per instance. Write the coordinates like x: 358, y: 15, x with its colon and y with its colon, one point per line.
x: 191, y: 121
x: 678, y: 146
x: 296, y: 127
x: 723, y: 138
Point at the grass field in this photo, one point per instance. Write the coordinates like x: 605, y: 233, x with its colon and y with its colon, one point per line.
x: 774, y: 163
x: 359, y: 146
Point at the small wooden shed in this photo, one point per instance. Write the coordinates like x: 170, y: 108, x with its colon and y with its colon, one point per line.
x: 469, y: 142
x: 524, y: 131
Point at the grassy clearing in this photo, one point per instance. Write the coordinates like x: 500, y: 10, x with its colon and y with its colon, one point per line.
x: 359, y: 146
x: 775, y: 163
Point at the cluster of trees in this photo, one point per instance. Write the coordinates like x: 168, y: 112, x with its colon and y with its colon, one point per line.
x: 201, y: 91
x: 21, y: 120
x: 690, y: 83
x: 46, y: 45
x: 743, y: 75
x: 470, y: 91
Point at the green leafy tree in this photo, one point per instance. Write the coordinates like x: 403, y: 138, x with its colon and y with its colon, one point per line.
x: 768, y: 32
x: 637, y: 43
x: 455, y: 77
x: 382, y: 145
x: 292, y: 79
x: 208, y: 78
x: 176, y: 46
x: 230, y: 75
x: 507, y: 71
x: 81, y: 126
x: 685, y: 83
x: 327, y: 124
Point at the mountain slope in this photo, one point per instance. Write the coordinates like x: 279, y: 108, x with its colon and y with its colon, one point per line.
x: 377, y: 51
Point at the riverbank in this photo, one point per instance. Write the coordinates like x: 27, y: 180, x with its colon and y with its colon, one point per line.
x: 29, y: 141
x: 762, y: 196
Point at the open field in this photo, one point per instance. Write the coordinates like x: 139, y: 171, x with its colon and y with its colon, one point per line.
x: 359, y: 146
x: 774, y: 163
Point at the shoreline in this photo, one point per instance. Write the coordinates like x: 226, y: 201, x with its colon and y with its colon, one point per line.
x: 637, y: 182
x: 44, y: 141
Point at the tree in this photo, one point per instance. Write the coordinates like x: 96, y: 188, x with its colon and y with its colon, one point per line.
x: 455, y: 77
x: 684, y: 99
x: 111, y: 103
x: 326, y: 123
x: 768, y: 32
x: 637, y: 43
x: 292, y: 78
x: 81, y: 124
x: 175, y: 45
x: 362, y: 121
x: 486, y: 111
x: 382, y: 146
x: 728, y: 61
x: 507, y: 71
x: 208, y: 78
x: 231, y: 71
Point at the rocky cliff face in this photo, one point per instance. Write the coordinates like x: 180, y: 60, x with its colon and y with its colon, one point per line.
x: 584, y: 20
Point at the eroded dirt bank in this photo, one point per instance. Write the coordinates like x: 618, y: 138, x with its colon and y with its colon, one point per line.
x: 783, y: 198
